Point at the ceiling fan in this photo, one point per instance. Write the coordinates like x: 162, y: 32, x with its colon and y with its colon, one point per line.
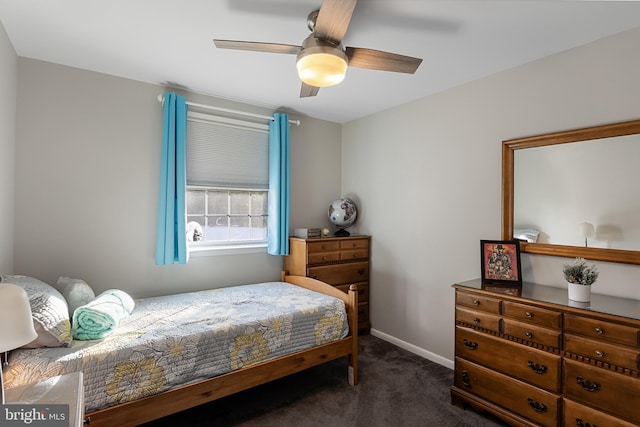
x: 322, y: 60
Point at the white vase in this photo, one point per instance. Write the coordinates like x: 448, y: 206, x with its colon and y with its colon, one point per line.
x: 580, y: 293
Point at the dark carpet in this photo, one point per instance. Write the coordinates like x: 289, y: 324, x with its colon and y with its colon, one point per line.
x: 396, y: 388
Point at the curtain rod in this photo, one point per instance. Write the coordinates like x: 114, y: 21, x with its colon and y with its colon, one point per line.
x: 227, y: 110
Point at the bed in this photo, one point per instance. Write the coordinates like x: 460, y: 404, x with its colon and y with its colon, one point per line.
x: 180, y: 351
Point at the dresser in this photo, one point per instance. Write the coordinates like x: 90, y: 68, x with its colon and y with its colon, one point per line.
x: 531, y: 357
x: 339, y: 261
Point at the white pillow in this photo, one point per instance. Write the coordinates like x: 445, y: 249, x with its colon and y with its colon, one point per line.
x: 76, y: 292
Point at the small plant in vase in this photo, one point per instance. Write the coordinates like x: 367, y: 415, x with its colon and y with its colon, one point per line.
x: 580, y: 277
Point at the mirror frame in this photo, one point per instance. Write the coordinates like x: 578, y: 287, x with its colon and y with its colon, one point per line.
x: 575, y: 135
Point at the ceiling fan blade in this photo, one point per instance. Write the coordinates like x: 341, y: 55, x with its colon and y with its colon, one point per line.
x: 333, y: 20
x: 257, y: 46
x: 308, y: 90
x: 384, y: 61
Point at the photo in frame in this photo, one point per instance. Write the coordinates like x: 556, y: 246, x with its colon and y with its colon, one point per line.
x: 500, y: 262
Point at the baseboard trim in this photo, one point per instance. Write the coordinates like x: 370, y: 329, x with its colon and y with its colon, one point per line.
x: 413, y: 349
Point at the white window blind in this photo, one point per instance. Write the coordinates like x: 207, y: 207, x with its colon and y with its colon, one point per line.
x: 227, y: 153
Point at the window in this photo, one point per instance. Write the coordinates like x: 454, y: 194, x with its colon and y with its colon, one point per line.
x: 227, y: 215
x: 227, y: 182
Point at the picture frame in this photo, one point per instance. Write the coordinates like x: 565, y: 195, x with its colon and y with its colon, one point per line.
x: 500, y: 262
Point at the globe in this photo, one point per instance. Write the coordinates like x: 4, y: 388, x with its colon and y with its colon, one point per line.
x: 342, y: 214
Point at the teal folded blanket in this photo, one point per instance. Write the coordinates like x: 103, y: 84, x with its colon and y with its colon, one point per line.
x: 100, y: 317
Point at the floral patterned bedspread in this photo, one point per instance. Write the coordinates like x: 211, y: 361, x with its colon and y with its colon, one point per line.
x: 177, y: 339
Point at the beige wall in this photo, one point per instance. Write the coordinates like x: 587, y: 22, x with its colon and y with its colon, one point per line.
x: 8, y: 87
x: 315, y: 171
x: 427, y: 175
x: 87, y: 162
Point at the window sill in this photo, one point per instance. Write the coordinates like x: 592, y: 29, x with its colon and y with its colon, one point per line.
x: 203, y: 251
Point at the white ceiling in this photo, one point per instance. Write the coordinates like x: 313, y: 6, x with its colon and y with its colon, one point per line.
x: 169, y: 42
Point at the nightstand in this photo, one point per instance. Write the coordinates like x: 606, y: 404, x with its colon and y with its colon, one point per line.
x: 64, y: 389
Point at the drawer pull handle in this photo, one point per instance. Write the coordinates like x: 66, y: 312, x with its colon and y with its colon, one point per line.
x: 528, y: 334
x: 588, y: 385
x: 537, y: 406
x: 476, y: 302
x: 599, y: 353
x: 580, y: 423
x: 528, y: 314
x: 600, y: 330
x: 476, y: 320
x: 465, y: 379
x: 536, y: 367
x: 470, y: 344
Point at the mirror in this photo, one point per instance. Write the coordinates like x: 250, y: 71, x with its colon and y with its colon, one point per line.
x: 608, y: 240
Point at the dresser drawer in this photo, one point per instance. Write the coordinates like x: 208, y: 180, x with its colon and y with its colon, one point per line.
x: 351, y: 244
x: 363, y: 290
x: 323, y: 257
x: 575, y: 414
x: 363, y: 312
x: 515, y: 360
x: 478, y: 318
x: 322, y: 246
x: 533, y: 333
x: 534, y: 315
x: 626, y: 357
x: 525, y: 400
x: 353, y: 254
x: 610, y: 391
x: 602, y: 330
x: 478, y: 302
x: 340, y: 274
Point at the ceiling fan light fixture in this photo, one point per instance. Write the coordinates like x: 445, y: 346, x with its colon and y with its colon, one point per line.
x: 321, y: 64
x: 321, y: 69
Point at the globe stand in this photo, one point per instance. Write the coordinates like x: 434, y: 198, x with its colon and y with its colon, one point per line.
x: 342, y: 233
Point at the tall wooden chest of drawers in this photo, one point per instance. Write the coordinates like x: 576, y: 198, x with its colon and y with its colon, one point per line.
x: 339, y: 261
x: 534, y: 358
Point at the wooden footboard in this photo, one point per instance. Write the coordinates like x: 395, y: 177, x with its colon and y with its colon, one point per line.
x: 351, y: 304
x: 188, y: 396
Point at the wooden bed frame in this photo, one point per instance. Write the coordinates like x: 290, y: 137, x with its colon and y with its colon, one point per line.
x: 194, y: 394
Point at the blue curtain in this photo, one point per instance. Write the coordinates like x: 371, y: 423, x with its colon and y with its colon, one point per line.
x: 278, y: 223
x: 171, y: 244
